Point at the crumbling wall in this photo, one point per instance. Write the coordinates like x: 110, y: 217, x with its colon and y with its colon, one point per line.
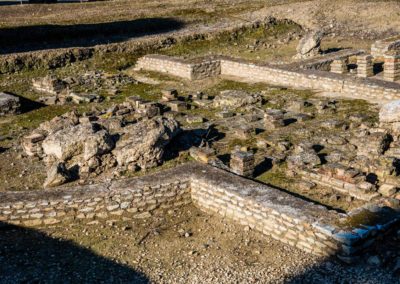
x: 380, y: 47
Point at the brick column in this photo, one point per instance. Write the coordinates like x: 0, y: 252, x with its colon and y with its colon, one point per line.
x: 392, y: 66
x: 242, y: 163
x: 339, y: 66
x: 365, y: 66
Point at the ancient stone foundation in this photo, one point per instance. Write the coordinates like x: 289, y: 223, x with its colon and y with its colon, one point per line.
x: 284, y: 217
x: 380, y: 47
x: 392, y: 66
x: 339, y: 66
x: 365, y: 66
x: 181, y: 68
x: 346, y: 86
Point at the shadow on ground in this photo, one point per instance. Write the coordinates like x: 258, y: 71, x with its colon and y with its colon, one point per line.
x: 30, y: 256
x: 31, y: 38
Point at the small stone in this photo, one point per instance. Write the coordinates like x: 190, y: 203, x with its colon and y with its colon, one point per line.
x: 374, y: 260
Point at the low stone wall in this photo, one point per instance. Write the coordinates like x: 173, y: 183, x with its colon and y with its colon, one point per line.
x: 180, y: 68
x: 373, y: 90
x: 206, y: 69
x: 352, y: 87
x: 284, y: 217
x: 133, y: 197
x: 294, y: 221
x: 347, y: 188
x: 165, y: 64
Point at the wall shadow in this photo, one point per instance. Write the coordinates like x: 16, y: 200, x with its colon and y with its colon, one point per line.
x: 30, y: 256
x: 31, y: 38
x: 27, y: 105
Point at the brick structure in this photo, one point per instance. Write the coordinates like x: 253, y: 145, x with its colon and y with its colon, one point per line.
x: 339, y: 66
x: 342, y: 84
x: 189, y: 70
x: 365, y: 66
x: 392, y: 66
x: 278, y: 214
x: 380, y: 47
x: 242, y: 163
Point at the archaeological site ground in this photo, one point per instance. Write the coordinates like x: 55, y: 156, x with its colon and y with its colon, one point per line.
x: 224, y: 141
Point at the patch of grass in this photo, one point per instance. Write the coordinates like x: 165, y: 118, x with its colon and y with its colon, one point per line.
x: 276, y: 177
x: 237, y: 43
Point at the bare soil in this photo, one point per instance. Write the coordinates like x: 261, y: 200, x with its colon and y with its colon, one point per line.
x: 181, y: 246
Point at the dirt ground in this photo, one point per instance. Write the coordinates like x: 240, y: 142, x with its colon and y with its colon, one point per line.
x: 181, y: 246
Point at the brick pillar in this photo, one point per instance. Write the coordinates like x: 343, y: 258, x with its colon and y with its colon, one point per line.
x: 339, y: 66
x: 365, y: 66
x: 392, y: 66
x: 242, y: 163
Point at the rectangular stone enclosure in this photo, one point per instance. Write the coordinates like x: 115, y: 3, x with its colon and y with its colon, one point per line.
x: 289, y: 219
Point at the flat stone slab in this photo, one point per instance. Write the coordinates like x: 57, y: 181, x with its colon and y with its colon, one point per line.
x: 9, y: 104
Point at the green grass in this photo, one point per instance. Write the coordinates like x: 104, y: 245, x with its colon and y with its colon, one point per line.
x: 235, y: 43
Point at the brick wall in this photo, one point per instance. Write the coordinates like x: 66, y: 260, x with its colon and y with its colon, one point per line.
x: 373, y: 90
x: 294, y: 221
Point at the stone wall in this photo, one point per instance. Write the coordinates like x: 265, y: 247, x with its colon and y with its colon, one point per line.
x: 356, y: 88
x: 284, y: 217
x: 165, y: 64
x: 180, y: 68
x: 294, y: 221
x: 380, y: 47
x: 133, y: 197
x: 205, y: 69
x: 323, y: 63
x: 373, y: 90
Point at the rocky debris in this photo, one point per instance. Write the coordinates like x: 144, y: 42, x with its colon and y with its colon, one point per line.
x: 9, y: 104
x: 49, y: 84
x: 371, y: 144
x: 32, y: 144
x: 142, y: 144
x: 389, y: 117
x: 56, y: 175
x: 202, y: 154
x: 84, y: 98
x: 200, y: 99
x: 177, y: 106
x: 244, y: 131
x: 61, y: 90
x: 192, y: 119
x: 225, y: 114
x: 303, y: 156
x: 388, y: 190
x: 297, y: 106
x: 310, y: 45
x: 169, y: 95
x: 232, y: 99
x: 86, y: 140
x: 390, y: 112
x: 142, y: 107
x: 273, y: 118
x: 92, y: 143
